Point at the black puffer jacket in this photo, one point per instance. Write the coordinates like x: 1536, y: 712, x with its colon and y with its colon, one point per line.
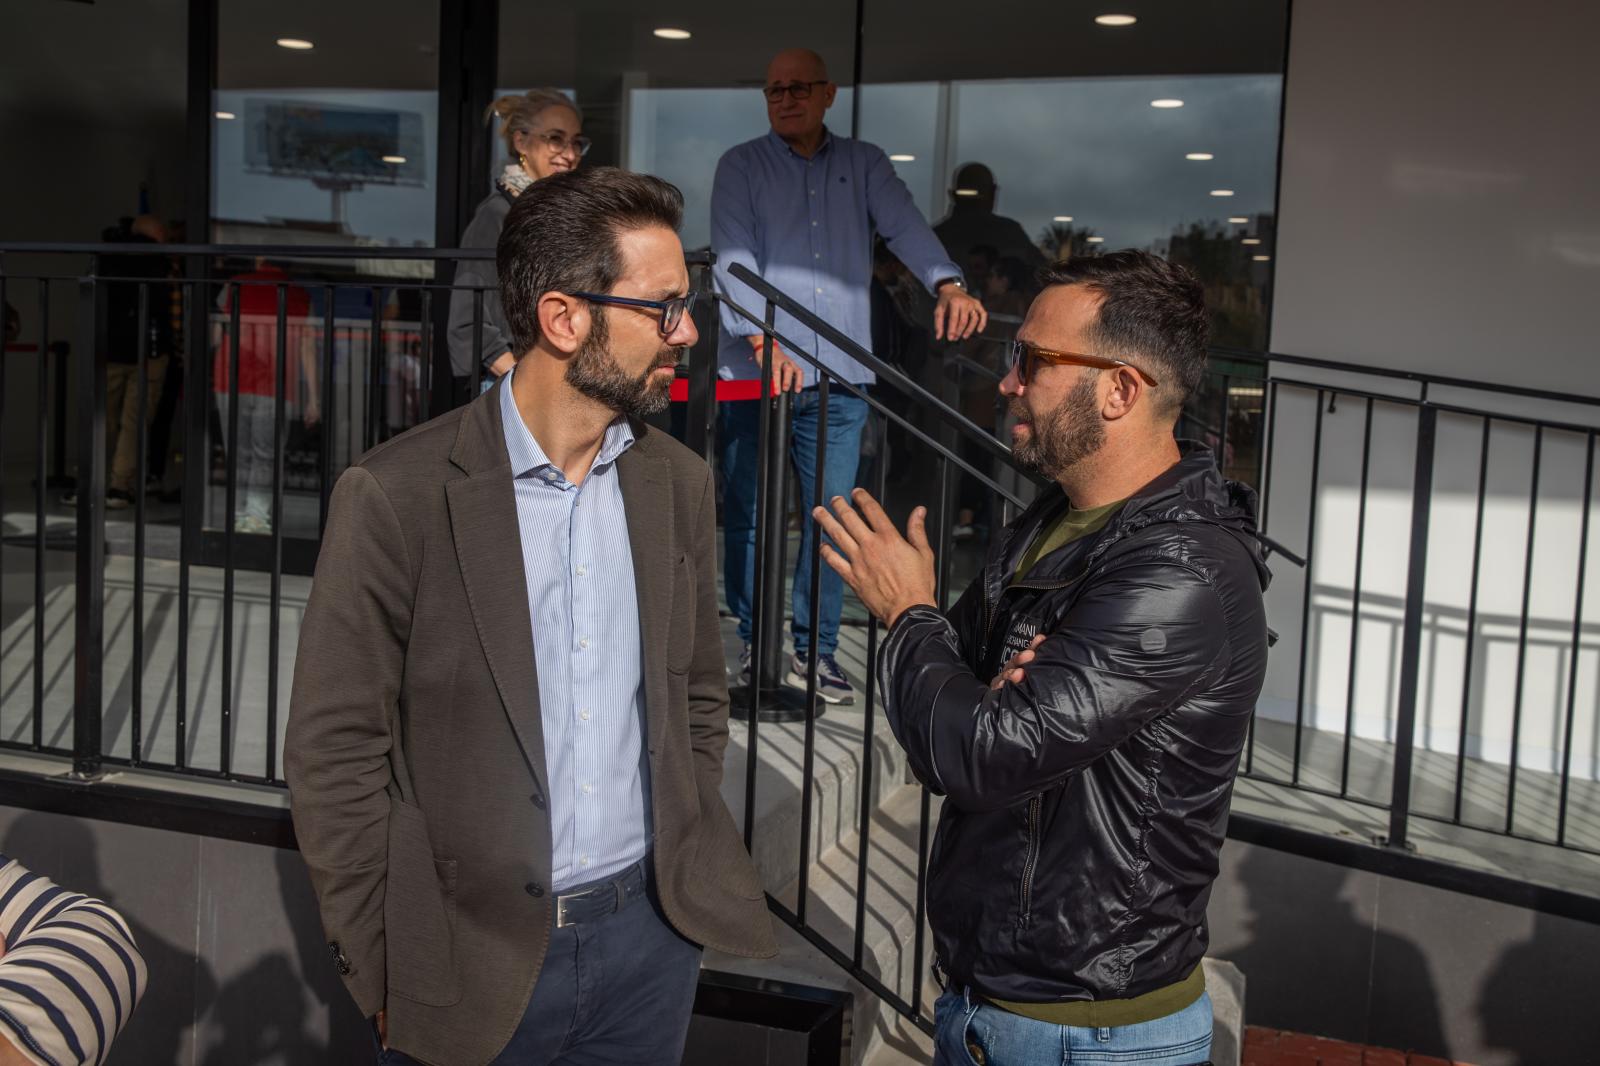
x: 1085, y: 806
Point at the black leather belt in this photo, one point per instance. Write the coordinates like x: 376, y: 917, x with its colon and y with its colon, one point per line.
x: 593, y: 901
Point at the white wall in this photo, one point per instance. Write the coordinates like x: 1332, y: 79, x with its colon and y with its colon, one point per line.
x: 1440, y: 212
x: 1439, y: 207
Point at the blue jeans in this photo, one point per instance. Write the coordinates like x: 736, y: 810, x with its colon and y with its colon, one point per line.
x: 738, y: 435
x: 615, y: 989
x: 963, y: 1020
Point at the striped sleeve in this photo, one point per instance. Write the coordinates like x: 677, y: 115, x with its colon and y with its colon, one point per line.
x: 70, y: 974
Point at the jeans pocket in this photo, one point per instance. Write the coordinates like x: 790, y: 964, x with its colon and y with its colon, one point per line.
x: 953, y: 1038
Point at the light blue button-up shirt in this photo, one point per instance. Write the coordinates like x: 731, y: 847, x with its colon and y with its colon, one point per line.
x: 584, y: 607
x: 806, y: 225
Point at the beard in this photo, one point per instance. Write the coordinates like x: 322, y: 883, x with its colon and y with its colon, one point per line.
x: 1064, y: 436
x: 596, y: 374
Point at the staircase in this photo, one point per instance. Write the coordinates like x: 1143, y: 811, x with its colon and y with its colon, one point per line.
x: 878, y: 1035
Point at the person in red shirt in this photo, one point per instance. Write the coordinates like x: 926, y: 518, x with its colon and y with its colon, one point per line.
x: 258, y: 379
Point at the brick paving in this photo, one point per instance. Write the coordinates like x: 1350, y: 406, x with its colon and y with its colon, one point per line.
x: 1272, y: 1047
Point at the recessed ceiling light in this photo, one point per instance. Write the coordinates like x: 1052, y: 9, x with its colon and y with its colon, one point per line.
x: 1166, y: 102
x: 966, y: 192
x: 395, y: 159
x: 1238, y: 220
x: 295, y: 44
x: 1062, y: 218
x: 1221, y: 192
x: 1251, y: 240
x: 1200, y: 157
x: 1095, y: 240
x: 668, y: 33
x: 902, y: 157
x: 1115, y: 20
x: 226, y: 115
x: 1262, y: 258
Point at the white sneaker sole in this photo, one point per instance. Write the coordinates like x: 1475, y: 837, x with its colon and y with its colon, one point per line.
x: 798, y: 681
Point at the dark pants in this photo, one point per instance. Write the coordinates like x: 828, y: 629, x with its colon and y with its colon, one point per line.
x: 617, y: 985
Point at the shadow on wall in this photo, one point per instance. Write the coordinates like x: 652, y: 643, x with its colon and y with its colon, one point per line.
x: 181, y: 986
x: 1313, y: 964
x: 265, y: 1014
x: 1526, y: 1012
x: 286, y: 1007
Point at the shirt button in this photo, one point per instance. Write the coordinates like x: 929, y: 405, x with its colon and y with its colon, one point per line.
x: 587, y: 789
x: 584, y: 714
x: 584, y: 643
x: 813, y: 222
x: 816, y: 255
x: 583, y: 571
x: 813, y: 192
x: 583, y: 861
x: 819, y: 292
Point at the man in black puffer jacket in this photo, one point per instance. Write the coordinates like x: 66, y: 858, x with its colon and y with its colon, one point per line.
x: 1083, y: 707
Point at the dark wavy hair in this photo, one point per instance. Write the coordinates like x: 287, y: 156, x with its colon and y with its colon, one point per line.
x: 1152, y: 313
x: 561, y: 235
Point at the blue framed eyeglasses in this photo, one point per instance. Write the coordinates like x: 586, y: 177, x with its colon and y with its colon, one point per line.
x: 672, y: 311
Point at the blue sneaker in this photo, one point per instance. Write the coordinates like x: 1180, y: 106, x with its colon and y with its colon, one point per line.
x: 832, y: 685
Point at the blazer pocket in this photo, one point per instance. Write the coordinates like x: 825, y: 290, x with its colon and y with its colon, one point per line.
x: 419, y: 905
x: 680, y: 635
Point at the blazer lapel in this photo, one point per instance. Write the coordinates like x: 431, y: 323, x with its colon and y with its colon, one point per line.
x: 647, y: 498
x: 483, y: 524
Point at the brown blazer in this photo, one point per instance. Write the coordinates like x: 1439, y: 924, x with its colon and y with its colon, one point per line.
x: 415, y: 756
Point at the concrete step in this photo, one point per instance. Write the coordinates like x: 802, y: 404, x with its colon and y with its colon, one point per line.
x: 880, y: 1035
x: 837, y: 761
x: 889, y: 922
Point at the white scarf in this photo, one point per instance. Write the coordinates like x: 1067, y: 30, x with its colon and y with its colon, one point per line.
x: 515, y: 179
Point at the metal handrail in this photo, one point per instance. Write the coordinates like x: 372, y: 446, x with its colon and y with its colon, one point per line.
x: 878, y: 406
x: 781, y: 300
x: 1426, y: 380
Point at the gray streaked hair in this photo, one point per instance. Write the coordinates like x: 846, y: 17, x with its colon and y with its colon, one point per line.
x: 519, y: 111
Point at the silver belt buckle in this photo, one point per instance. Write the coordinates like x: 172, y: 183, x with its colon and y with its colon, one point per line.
x: 561, y: 912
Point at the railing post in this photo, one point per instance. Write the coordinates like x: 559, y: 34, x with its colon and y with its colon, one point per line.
x: 1411, y: 633
x: 88, y: 666
x: 774, y: 561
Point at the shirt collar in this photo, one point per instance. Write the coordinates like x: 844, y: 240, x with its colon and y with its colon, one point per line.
x: 783, y: 145
x: 527, y: 458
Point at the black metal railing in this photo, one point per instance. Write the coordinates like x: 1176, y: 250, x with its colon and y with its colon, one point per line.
x: 287, y: 378
x: 1448, y: 742
x: 1368, y: 484
x: 1242, y: 412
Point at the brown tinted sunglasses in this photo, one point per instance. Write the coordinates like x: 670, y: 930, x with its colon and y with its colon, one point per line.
x: 1026, y: 357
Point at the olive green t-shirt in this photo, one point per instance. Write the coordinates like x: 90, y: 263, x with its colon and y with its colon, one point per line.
x: 1073, y: 525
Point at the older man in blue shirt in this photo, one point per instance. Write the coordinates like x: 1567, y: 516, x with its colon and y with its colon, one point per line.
x: 800, y: 206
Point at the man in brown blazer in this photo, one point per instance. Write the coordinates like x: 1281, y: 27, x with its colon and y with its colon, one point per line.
x: 505, y: 765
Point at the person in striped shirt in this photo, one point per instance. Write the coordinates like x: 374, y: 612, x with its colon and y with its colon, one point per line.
x: 70, y: 973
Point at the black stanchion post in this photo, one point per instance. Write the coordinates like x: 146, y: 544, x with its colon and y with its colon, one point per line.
x: 774, y: 561
x: 88, y: 668
x: 1411, y: 631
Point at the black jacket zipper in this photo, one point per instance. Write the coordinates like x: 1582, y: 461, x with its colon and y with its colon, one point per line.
x: 1025, y: 913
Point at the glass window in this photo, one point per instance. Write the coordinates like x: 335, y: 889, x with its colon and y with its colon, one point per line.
x: 669, y: 105
x: 323, y: 135
x: 326, y: 134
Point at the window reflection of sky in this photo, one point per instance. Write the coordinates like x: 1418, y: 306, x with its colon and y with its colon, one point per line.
x: 1092, y: 148
x: 401, y: 214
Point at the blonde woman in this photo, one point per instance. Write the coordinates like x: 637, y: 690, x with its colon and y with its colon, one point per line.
x: 542, y: 129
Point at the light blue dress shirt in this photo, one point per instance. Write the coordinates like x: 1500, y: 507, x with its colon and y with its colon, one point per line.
x: 806, y: 226
x: 584, y: 607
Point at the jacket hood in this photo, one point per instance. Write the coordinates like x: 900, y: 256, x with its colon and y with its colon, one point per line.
x: 1191, y: 490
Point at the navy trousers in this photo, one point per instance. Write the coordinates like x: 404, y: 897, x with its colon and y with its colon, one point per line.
x: 617, y: 986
